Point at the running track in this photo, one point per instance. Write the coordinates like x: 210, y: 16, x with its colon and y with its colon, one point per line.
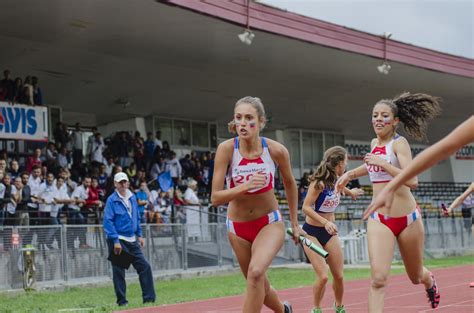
x: 401, y: 296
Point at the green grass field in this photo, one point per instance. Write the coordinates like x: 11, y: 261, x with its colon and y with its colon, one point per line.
x: 102, y: 299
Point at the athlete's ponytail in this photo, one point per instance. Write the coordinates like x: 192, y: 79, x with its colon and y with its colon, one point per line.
x: 326, y: 171
x: 414, y: 111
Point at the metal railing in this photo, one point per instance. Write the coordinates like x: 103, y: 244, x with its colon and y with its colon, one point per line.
x: 79, y: 252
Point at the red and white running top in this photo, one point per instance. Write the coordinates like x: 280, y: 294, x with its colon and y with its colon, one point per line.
x: 241, y: 169
x: 376, y: 173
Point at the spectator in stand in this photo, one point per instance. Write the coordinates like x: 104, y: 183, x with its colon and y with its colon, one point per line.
x: 109, y: 165
x: 102, y: 178
x: 34, y: 181
x: 17, y: 90
x: 142, y: 195
x: 37, y: 94
x: 153, y: 214
x: 27, y: 92
x: 165, y: 150
x: 61, y: 136
x: 77, y: 146
x: 135, y: 180
x: 80, y: 195
x: 3, y: 165
x: 10, y: 198
x: 14, y: 169
x: 94, y: 203
x: 35, y: 159
x: 22, y: 206
x: 46, y: 197
x: 131, y: 171
x: 97, y: 149
x: 69, y: 184
x: 179, y: 206
x: 157, y: 140
x: 157, y: 168
x: 110, y: 188
x: 123, y: 149
x: 192, y: 210
x: 139, y: 150
x: 174, y: 167
x: 62, y: 159
x: 51, y: 156
x: 7, y: 85
x: 187, y: 166
x: 149, y: 149
x: 90, y: 141
x: 61, y: 198
x: 165, y: 207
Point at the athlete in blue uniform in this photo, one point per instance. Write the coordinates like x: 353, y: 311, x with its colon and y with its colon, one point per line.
x: 319, y: 205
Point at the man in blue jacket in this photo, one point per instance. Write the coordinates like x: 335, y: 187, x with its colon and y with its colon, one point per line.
x: 125, y: 241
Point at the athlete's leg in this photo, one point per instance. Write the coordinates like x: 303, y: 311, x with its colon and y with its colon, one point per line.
x: 411, y: 244
x: 321, y: 269
x: 381, y: 243
x: 336, y: 264
x: 243, y: 251
x: 264, y: 248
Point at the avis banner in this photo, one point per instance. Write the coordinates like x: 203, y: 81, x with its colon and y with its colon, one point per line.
x: 23, y: 122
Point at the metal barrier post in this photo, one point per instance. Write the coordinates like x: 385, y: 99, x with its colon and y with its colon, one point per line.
x: 64, y: 251
x: 184, y: 247
x: 148, y: 244
x: 219, y: 244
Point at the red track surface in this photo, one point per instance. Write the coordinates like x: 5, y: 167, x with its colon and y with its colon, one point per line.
x: 401, y: 297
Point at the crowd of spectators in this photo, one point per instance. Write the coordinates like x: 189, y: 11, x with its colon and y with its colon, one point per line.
x: 68, y: 180
x: 21, y: 91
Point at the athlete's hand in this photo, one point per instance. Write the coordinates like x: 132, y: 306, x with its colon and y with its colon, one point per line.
x: 383, y: 199
x: 256, y: 181
x: 356, y: 192
x: 372, y: 159
x: 331, y: 228
x: 297, y: 232
x: 342, y: 182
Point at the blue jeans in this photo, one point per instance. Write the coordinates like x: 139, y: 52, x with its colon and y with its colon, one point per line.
x: 141, y: 266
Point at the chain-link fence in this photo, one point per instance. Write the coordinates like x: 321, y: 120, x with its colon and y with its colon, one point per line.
x: 79, y: 252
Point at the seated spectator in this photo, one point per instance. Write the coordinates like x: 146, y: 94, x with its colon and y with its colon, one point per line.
x: 62, y: 159
x: 35, y: 159
x: 165, y: 207
x: 138, y: 150
x: 102, y: 177
x: 131, y: 171
x: 135, y: 180
x: 142, y: 195
x: 14, y: 169
x: 93, y: 202
x: 153, y: 214
x: 109, y: 165
x: 3, y: 165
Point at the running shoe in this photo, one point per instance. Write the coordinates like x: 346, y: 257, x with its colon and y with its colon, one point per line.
x: 316, y: 310
x: 433, y: 293
x: 288, y: 308
x: 339, y: 309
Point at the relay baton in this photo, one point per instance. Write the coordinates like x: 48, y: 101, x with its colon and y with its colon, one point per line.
x: 445, y: 210
x: 305, y: 241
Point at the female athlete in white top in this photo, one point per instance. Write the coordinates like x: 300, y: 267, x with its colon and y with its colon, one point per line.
x: 255, y: 227
x: 390, y: 153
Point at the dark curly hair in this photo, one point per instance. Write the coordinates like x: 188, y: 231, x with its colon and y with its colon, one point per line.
x: 414, y: 111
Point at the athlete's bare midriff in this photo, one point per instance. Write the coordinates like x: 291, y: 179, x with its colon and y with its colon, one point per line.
x: 330, y: 216
x: 250, y: 207
x: 403, y: 201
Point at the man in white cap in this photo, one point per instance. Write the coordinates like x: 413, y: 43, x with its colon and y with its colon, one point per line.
x: 124, y: 239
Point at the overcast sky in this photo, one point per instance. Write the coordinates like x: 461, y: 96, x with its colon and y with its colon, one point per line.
x: 442, y: 25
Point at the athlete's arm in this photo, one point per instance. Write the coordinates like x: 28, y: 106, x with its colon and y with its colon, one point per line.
x: 461, y: 198
x: 462, y: 135
x: 350, y: 175
x: 219, y: 195
x: 280, y: 155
